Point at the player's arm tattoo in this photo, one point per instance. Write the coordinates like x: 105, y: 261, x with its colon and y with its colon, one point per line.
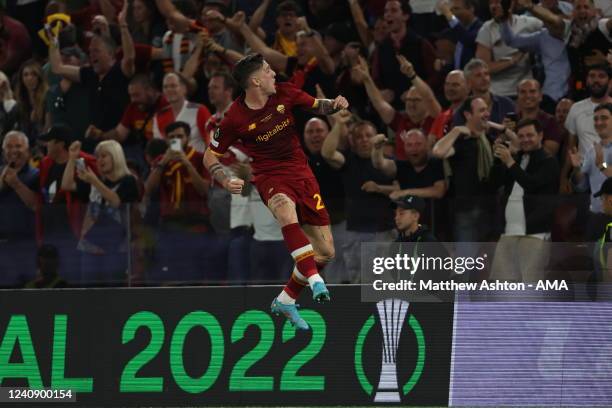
x: 325, y: 107
x: 218, y: 173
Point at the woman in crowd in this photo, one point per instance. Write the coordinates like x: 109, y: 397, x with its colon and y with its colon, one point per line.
x: 146, y: 24
x: 31, y: 91
x: 104, y: 237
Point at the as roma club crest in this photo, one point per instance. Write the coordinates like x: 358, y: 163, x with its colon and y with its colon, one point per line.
x: 280, y: 108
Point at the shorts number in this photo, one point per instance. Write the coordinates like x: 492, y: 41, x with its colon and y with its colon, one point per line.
x: 320, y: 204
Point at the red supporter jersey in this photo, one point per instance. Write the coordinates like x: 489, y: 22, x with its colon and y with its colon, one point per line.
x: 268, y: 134
x: 441, y: 124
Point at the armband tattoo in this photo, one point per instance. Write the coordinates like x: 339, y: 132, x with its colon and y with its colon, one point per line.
x: 218, y: 173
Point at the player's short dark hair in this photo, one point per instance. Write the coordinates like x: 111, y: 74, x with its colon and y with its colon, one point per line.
x: 606, y: 106
x: 178, y: 125
x: 245, y: 68
x: 529, y: 122
x: 228, y: 80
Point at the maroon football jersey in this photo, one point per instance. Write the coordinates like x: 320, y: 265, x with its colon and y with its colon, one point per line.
x: 268, y: 134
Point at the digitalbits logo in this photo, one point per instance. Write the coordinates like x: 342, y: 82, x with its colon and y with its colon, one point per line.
x: 392, y: 315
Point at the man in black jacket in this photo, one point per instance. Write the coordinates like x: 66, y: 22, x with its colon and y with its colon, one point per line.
x: 530, y: 180
x: 416, y: 240
x: 408, y: 211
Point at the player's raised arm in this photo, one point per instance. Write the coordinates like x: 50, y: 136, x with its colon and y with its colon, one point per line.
x: 214, y: 167
x: 329, y: 106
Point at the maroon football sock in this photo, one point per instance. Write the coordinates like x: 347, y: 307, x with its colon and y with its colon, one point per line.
x: 294, y: 286
x: 301, y: 249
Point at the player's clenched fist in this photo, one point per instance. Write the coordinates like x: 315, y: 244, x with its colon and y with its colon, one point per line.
x: 234, y: 185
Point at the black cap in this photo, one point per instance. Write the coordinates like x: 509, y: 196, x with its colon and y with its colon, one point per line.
x: 410, y: 202
x: 61, y: 133
x: 606, y: 188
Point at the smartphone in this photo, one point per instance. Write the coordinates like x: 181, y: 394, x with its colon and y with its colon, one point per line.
x: 175, y: 145
x: 80, y: 164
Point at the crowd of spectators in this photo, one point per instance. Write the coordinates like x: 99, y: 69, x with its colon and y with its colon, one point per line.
x: 498, y: 113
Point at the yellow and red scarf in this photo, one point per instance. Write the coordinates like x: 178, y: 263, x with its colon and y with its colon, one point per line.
x: 176, y: 170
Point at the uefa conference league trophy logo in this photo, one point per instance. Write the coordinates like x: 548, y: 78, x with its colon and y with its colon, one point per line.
x: 392, y: 313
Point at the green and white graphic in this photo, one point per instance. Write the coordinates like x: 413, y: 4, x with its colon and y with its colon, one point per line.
x: 392, y: 315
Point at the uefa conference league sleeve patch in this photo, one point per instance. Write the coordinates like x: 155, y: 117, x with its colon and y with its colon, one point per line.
x: 215, y: 140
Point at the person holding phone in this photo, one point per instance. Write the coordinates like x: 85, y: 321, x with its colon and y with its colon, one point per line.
x: 530, y: 179
x: 104, y: 241
x: 183, y: 184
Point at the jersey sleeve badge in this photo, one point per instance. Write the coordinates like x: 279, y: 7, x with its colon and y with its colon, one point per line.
x: 215, y: 140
